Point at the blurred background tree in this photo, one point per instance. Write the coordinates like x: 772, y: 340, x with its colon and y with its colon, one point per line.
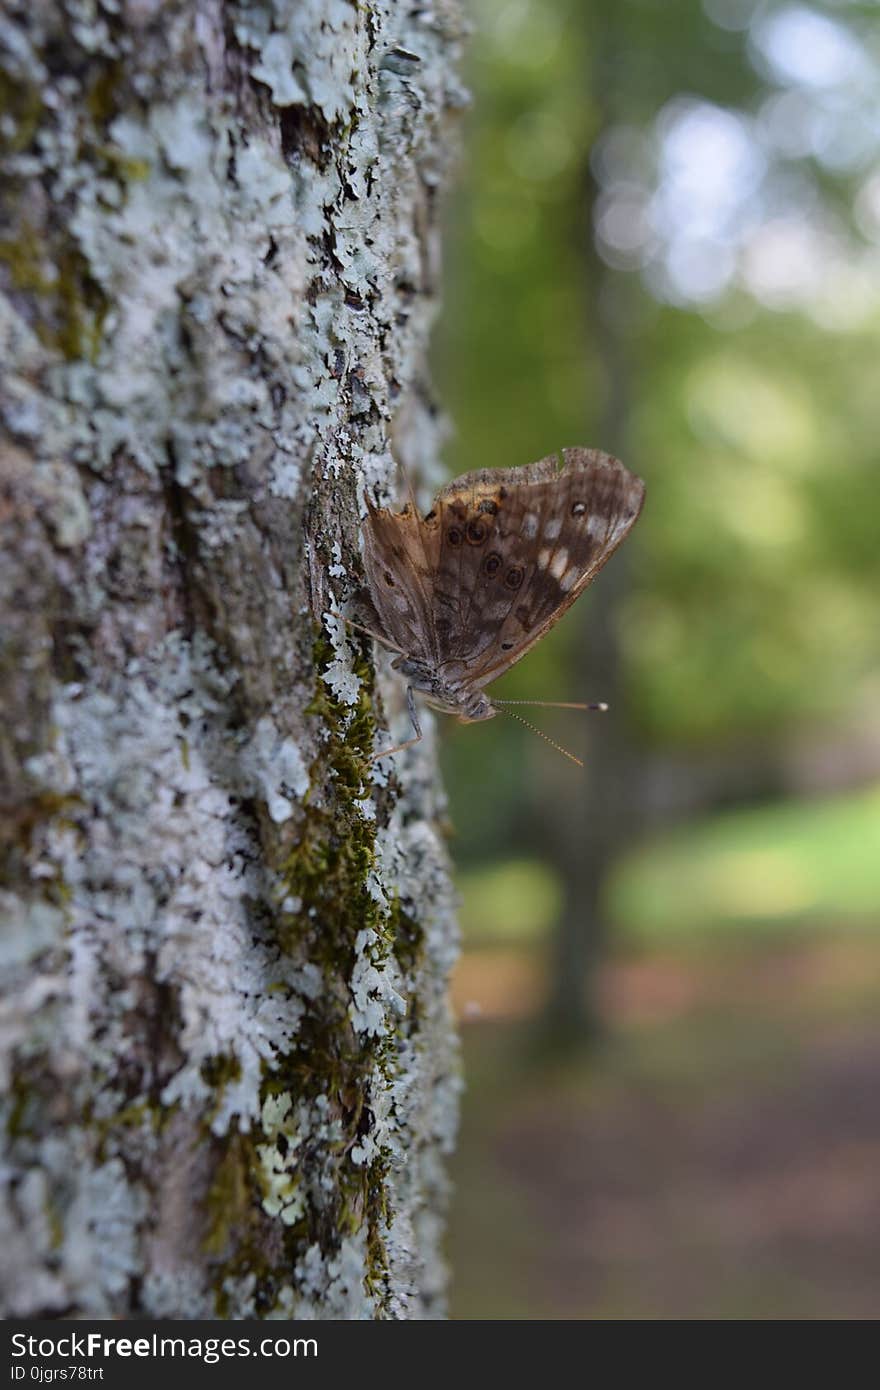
x: 667, y: 244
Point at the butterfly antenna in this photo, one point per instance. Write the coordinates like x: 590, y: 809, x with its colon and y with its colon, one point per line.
x: 599, y: 705
x: 540, y: 732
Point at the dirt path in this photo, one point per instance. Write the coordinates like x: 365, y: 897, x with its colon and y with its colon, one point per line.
x: 724, y: 1163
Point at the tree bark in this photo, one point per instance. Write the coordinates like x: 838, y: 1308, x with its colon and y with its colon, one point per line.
x: 228, y: 1060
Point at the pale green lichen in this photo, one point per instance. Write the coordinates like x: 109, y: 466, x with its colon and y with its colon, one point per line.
x: 278, y: 1159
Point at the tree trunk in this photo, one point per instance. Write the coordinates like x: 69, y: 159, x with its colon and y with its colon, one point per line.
x: 229, y: 1063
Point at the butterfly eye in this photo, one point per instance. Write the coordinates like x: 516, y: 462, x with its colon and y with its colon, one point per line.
x: 453, y: 535
x: 513, y: 577
x: 476, y: 533
x: 492, y: 564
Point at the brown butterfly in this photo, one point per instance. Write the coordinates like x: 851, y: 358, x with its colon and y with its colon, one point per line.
x: 464, y: 592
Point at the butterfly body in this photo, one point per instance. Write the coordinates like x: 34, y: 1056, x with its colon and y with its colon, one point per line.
x: 445, y: 693
x: 464, y: 592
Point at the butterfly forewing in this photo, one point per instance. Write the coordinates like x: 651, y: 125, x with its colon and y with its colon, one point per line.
x: 594, y: 503
x: 545, y: 540
x: 482, y: 554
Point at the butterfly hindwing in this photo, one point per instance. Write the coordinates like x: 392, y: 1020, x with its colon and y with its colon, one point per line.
x: 400, y: 559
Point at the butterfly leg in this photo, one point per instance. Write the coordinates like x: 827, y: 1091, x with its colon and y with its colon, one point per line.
x: 398, y: 748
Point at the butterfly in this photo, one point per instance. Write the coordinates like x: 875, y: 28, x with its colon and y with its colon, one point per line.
x: 463, y: 593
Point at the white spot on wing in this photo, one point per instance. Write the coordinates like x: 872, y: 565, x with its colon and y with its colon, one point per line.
x: 530, y: 526
x: 553, y: 527
x: 568, y: 580
x: 544, y: 557
x: 560, y: 563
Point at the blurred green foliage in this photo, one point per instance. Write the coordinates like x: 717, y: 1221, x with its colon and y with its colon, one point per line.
x: 718, y: 1158
x: 755, y: 566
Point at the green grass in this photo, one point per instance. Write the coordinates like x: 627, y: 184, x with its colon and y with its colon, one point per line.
x: 512, y: 902
x: 794, y: 863
x: 788, y: 865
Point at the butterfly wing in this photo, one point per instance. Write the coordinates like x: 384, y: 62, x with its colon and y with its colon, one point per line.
x: 400, y: 560
x: 517, y: 547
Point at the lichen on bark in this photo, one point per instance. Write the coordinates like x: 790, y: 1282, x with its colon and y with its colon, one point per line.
x: 230, y: 1069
